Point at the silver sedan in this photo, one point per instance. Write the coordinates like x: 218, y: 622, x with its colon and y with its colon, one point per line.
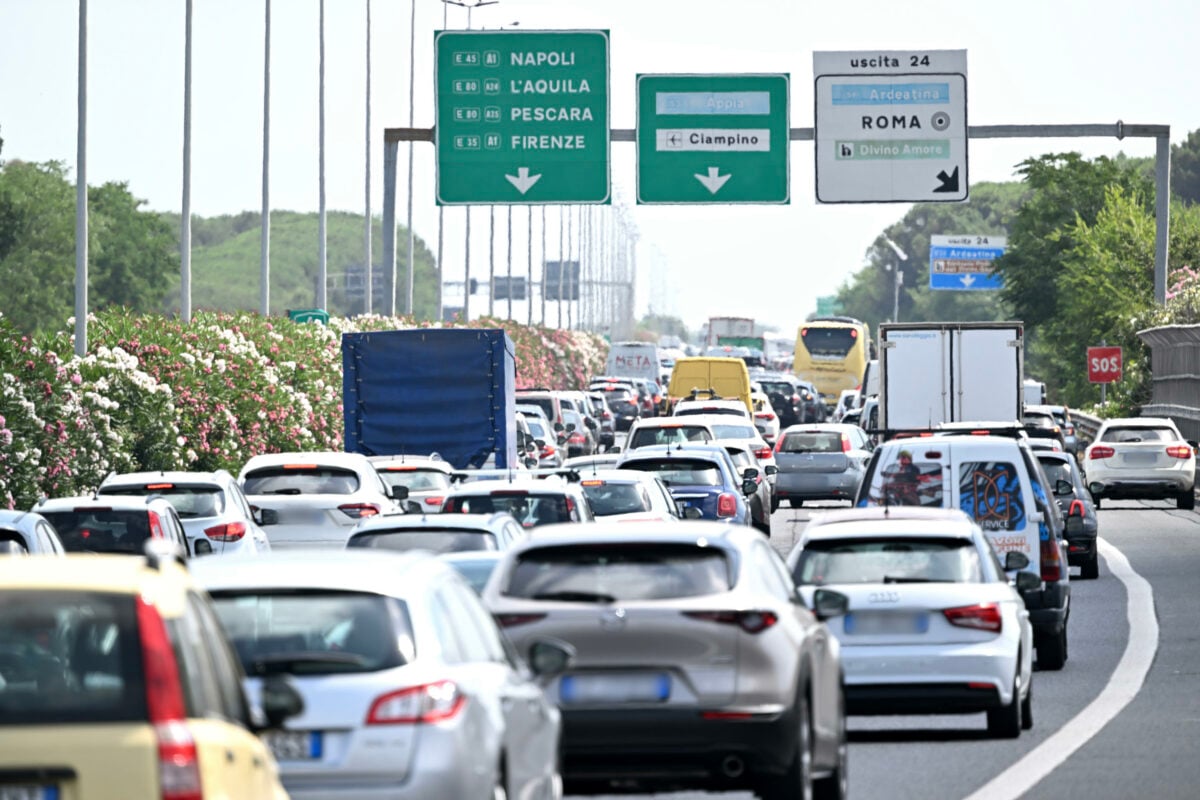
x: 819, y: 461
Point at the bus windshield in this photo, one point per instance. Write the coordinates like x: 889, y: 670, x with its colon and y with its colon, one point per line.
x: 832, y: 355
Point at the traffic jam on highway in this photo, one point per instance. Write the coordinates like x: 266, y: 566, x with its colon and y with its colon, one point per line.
x: 586, y: 591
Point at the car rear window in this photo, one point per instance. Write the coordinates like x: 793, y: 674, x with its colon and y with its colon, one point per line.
x: 683, y: 410
x: 437, y: 540
x: 315, y: 632
x: 812, y: 442
x: 897, y: 478
x: 1057, y: 471
x: 888, y: 560
x: 301, y: 479
x: 68, y: 657
x: 619, y: 572
x: 192, y: 502
x: 546, y: 404
x: 528, y: 509
x: 607, y: 497
x: 735, y: 431
x: 415, y: 478
x: 680, y: 471
x: 781, y: 387
x: 1118, y: 433
x: 668, y: 434
x: 100, y: 530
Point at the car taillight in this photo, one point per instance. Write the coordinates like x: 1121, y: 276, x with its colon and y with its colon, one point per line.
x: 547, y: 451
x: 763, y: 453
x: 845, y: 443
x: 778, y: 445
x: 767, y: 415
x: 427, y: 703
x: 726, y: 504
x: 230, y: 532
x: 749, y: 621
x: 605, y: 415
x: 434, y: 501
x: 570, y: 505
x: 577, y: 438
x: 178, y: 763
x: 982, y: 616
x: 156, y: 531
x: 512, y: 620
x: 1052, y: 566
x: 359, y: 510
x: 1100, y: 451
x: 1180, y: 451
x: 796, y: 398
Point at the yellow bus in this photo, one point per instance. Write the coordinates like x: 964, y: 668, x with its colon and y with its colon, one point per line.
x: 832, y: 353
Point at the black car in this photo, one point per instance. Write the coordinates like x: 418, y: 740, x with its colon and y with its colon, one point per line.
x: 1043, y: 425
x: 1082, y: 521
x: 794, y: 400
x: 624, y: 402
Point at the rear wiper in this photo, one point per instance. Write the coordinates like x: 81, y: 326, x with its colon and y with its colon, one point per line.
x: 576, y: 597
x: 907, y: 579
x: 277, y: 663
x: 289, y: 490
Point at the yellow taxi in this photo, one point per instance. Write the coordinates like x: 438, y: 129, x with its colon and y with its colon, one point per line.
x: 116, y: 682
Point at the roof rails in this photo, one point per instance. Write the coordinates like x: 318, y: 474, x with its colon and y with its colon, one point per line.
x: 461, y: 476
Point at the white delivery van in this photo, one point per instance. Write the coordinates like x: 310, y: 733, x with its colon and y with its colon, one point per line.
x: 1033, y: 392
x: 1000, y: 484
x: 634, y: 360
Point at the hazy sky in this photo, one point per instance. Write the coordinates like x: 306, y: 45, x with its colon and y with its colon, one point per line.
x: 1029, y: 62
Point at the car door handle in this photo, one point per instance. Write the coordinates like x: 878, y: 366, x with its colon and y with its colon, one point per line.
x: 230, y: 756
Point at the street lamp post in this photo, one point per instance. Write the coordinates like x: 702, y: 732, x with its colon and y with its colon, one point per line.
x: 897, y: 278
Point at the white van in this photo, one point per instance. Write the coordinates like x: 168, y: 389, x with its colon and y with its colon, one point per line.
x: 1033, y: 393
x: 634, y: 360
x: 999, y: 483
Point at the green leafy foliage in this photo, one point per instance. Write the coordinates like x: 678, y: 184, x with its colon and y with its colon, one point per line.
x: 1185, y: 169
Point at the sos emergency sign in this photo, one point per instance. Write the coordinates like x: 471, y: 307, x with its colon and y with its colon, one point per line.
x: 1104, y: 364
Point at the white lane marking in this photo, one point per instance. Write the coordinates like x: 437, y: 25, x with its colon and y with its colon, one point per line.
x: 1122, y: 687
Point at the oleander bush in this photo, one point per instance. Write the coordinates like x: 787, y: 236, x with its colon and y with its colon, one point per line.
x: 152, y: 393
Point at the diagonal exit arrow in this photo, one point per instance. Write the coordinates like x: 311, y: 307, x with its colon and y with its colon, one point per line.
x: 523, y: 181
x: 713, y: 181
x: 967, y: 280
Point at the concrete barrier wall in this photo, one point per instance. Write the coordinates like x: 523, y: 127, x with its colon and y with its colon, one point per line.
x: 1175, y: 367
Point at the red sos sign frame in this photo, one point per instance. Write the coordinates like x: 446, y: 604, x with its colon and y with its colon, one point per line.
x: 1104, y: 364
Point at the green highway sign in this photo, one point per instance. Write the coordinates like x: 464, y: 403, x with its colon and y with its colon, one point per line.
x: 712, y: 139
x: 522, y: 117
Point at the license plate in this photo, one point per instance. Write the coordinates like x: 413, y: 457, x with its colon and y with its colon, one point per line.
x: 302, y: 516
x: 29, y: 793
x: 865, y: 623
x: 1140, y: 459
x: 295, y: 745
x: 648, y: 688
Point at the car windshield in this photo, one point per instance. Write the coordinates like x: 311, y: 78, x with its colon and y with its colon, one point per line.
x: 777, y: 387
x: 734, y: 431
x: 192, y: 502
x: 680, y: 471
x: 300, y: 479
x: 667, y: 434
x: 69, y: 657
x: 314, y: 632
x: 528, y: 509
x: 536, y: 429
x: 475, y: 570
x: 608, y: 497
x: 888, y: 560
x: 415, y: 479
x: 620, y: 572
x: 101, y: 530
x: 1127, y: 434
x: 812, y: 442
x: 437, y: 540
x: 683, y: 409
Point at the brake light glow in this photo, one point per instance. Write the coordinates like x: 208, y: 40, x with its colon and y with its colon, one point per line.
x: 726, y: 504
x: 424, y: 704
x: 982, y: 616
x: 178, y: 763
x: 151, y: 487
x: 400, y: 469
x: 299, y: 466
x: 749, y: 621
x: 591, y: 483
x: 853, y: 333
x: 156, y: 530
x: 845, y: 443
x: 1180, y: 451
x: 767, y: 415
x: 229, y: 532
x: 1052, y: 566
x: 359, y: 510
x: 576, y: 438
x: 512, y: 620
x: 547, y: 451
x: 762, y: 453
x: 1098, y: 451
x: 434, y: 501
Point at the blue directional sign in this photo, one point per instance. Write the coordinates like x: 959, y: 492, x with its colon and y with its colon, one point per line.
x: 964, y: 263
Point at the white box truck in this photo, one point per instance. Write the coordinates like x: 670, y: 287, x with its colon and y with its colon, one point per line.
x: 934, y: 372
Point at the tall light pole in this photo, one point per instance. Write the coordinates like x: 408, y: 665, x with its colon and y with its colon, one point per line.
x: 81, y: 207
x: 412, y: 264
x: 185, y: 235
x: 264, y: 290
x: 370, y: 293
x: 322, y: 238
x: 897, y: 278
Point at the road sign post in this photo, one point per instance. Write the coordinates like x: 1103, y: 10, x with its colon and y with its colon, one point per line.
x: 1104, y: 364
x: 891, y: 127
x: 522, y: 117
x: 712, y: 139
x: 964, y: 263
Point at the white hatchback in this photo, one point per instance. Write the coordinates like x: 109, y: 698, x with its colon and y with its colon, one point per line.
x: 314, y: 499
x: 933, y: 625
x: 1142, y: 457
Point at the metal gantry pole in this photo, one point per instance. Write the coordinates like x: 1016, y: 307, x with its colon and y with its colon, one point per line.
x: 491, y: 261
x: 561, y: 265
x: 370, y: 296
x: 508, y: 239
x: 467, y: 271
x: 1162, y: 215
x: 572, y: 289
x: 185, y: 235
x: 81, y: 198
x: 529, y: 269
x: 412, y: 259
x: 264, y: 290
x: 322, y: 237
x: 543, y: 281
x: 439, y: 273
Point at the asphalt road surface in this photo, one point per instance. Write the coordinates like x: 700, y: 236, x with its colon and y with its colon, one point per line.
x: 1090, y: 740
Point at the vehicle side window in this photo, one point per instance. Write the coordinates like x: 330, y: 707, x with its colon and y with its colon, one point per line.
x: 196, y: 676
x: 482, y: 622
x: 443, y: 624
x: 179, y: 533
x: 474, y: 649
x: 770, y: 577
x: 225, y: 671
x: 239, y: 498
x: 49, y: 538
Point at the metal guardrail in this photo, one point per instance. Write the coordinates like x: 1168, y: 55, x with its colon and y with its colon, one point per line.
x: 1086, y: 426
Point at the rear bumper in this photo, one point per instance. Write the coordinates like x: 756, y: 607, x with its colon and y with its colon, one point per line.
x: 1148, y: 488
x: 927, y: 698
x: 672, y: 747
x: 1081, y: 550
x: 1049, y: 607
x: 932, y: 679
x: 817, y: 485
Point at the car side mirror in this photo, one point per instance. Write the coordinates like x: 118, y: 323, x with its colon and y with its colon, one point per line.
x: 1063, y: 488
x: 750, y: 473
x: 540, y: 442
x: 399, y: 493
x: 749, y: 486
x: 550, y: 658
x: 828, y: 603
x: 413, y: 507
x: 771, y: 469
x: 1028, y: 582
x: 280, y: 701
x: 558, y: 426
x: 1014, y: 561
x: 691, y: 512
x: 267, y: 516
x: 614, y: 448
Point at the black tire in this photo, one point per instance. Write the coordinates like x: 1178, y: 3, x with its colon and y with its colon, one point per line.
x: 796, y: 782
x: 1027, y: 708
x: 1005, y: 722
x: 1186, y: 500
x: 1052, y: 650
x: 1090, y: 569
x: 795, y: 502
x: 836, y: 785
x: 1096, y: 502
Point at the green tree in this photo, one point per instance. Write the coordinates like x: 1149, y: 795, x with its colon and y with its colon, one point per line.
x: 131, y: 253
x: 37, y: 244
x: 1185, y: 168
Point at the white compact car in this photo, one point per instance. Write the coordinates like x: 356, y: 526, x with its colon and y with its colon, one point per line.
x: 314, y: 499
x: 427, y: 478
x: 1142, y: 457
x: 933, y: 625
x: 628, y: 495
x: 409, y: 689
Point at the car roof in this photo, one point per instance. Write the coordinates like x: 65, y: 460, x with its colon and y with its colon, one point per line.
x: 328, y: 458
x: 482, y: 522
x: 819, y: 427
x: 617, y: 476
x: 17, y: 517
x: 94, y: 572
x: 683, y: 449
x: 173, y: 476
x: 1055, y: 455
x: 1139, y: 422
x: 877, y: 513
x: 383, y: 572
x: 116, y: 502
x: 883, y: 526
x: 700, y: 532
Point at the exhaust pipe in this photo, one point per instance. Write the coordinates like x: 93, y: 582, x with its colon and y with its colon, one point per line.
x: 732, y: 767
